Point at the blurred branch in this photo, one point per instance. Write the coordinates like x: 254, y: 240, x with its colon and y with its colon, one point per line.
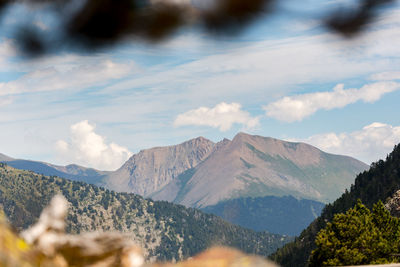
x: 101, y: 23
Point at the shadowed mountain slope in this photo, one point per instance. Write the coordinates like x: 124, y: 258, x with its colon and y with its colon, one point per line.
x: 283, y: 215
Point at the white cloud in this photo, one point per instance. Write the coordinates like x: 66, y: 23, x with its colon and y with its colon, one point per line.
x: 7, y: 50
x: 222, y: 116
x: 296, y: 108
x: 65, y: 75
x: 87, y: 148
x: 5, y: 101
x: 371, y: 143
x: 386, y: 76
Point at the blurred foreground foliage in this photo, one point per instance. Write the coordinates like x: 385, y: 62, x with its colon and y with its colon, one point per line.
x: 15, y: 252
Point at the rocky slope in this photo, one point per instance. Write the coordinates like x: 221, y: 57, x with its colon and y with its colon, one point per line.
x: 393, y: 204
x: 165, y: 230
x: 151, y: 169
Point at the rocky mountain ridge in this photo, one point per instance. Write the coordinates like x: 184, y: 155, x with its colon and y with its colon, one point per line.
x: 247, y: 166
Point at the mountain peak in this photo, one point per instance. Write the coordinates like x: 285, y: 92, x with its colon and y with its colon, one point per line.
x: 151, y: 169
x: 246, y: 136
x: 243, y: 135
x: 198, y: 140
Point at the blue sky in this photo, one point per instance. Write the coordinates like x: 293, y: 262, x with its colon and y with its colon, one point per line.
x: 284, y: 77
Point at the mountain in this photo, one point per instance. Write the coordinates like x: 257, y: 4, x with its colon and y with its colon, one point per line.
x: 247, y: 166
x: 165, y: 230
x: 72, y: 171
x: 200, y: 173
x: 284, y: 215
x: 380, y: 182
x: 5, y: 158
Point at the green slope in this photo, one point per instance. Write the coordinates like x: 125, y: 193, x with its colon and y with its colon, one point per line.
x: 329, y: 177
x: 378, y: 183
x: 167, y: 231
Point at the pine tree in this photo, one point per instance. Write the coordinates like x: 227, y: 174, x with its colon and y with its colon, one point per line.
x: 358, y: 237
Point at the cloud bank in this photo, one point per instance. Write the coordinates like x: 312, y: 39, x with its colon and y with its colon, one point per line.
x: 371, y: 143
x: 89, y: 149
x: 296, y: 108
x: 66, y: 75
x: 4, y: 101
x: 222, y: 116
x: 386, y: 76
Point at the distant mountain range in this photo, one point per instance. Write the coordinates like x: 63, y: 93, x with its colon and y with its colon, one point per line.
x: 200, y: 173
x: 72, y: 171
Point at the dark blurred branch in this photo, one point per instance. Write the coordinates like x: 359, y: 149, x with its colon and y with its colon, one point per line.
x: 100, y: 23
x: 352, y: 22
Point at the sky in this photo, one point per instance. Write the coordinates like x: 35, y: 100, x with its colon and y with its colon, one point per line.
x: 285, y: 77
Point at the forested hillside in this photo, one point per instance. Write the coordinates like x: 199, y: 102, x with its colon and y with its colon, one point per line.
x: 166, y: 231
x: 381, y: 181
